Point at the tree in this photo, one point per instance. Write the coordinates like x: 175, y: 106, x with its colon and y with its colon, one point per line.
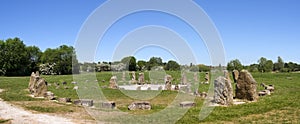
x: 153, y: 62
x: 34, y: 55
x: 15, y: 60
x: 265, y: 65
x: 64, y: 58
x: 253, y: 68
x: 141, y: 64
x: 172, y: 66
x: 269, y: 66
x: 130, y: 63
x: 279, y: 65
x: 203, y: 68
x: 234, y: 65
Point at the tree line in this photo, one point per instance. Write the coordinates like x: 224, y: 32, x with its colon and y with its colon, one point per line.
x: 265, y: 65
x: 132, y: 64
x: 17, y: 59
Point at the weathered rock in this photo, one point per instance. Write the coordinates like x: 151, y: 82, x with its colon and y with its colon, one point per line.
x: 183, y: 79
x: 196, y: 77
x: 113, y: 83
x: 246, y: 87
x: 37, y: 85
x: 141, y: 105
x: 168, y: 84
x: 141, y: 79
x: 223, y: 91
x: 84, y: 102
x: 50, y: 95
x: 271, y: 88
x: 227, y: 75
x: 75, y: 88
x: 264, y: 92
x: 187, y: 104
x: 109, y: 105
x: 235, y: 75
x: 64, y: 100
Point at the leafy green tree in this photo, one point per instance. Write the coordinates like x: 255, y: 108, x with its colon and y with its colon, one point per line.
x: 34, y: 55
x: 141, y: 64
x: 130, y: 63
x: 269, y: 66
x: 279, y: 65
x: 15, y: 59
x: 64, y: 57
x: 253, y: 68
x: 203, y: 68
x: 172, y: 66
x: 234, y: 65
x: 154, y: 61
x: 265, y: 65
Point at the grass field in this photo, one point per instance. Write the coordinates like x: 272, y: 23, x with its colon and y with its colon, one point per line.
x: 283, y: 106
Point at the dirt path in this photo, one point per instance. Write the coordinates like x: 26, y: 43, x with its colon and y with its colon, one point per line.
x: 21, y: 116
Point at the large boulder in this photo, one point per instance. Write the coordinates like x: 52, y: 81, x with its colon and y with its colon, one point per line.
x: 223, y: 91
x: 246, y: 87
x: 37, y: 85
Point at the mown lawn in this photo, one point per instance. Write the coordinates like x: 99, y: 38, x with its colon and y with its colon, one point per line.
x: 283, y: 106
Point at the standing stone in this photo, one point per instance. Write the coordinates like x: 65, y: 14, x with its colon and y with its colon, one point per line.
x: 223, y: 91
x: 206, y: 78
x: 246, y: 87
x: 184, y: 79
x: 226, y: 75
x: 113, y: 82
x: 37, y: 85
x: 235, y: 74
x: 196, y: 77
x: 124, y: 76
x: 133, y: 76
x: 168, y: 84
x: 141, y: 79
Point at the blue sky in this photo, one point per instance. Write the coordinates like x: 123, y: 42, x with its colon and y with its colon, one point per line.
x: 249, y: 29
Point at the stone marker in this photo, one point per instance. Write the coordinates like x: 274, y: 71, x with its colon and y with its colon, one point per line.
x: 84, y: 102
x: 223, y: 93
x: 187, y: 104
x: 227, y: 75
x: 133, y: 75
x: 109, y: 105
x: 168, y: 84
x: 50, y: 95
x: 141, y: 105
x: 37, y: 85
x: 183, y: 79
x: 123, y: 76
x: 113, y: 82
x: 196, y: 77
x: 141, y: 79
x: 235, y: 75
x: 75, y: 88
x: 246, y: 87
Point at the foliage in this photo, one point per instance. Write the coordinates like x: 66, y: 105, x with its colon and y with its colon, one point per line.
x: 130, y: 63
x: 265, y: 65
x: 203, y: 68
x: 141, y: 65
x: 64, y: 58
x: 279, y: 65
x: 234, y: 65
x: 172, y: 66
x: 154, y: 62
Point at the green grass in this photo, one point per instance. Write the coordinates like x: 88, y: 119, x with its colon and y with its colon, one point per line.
x: 283, y: 105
